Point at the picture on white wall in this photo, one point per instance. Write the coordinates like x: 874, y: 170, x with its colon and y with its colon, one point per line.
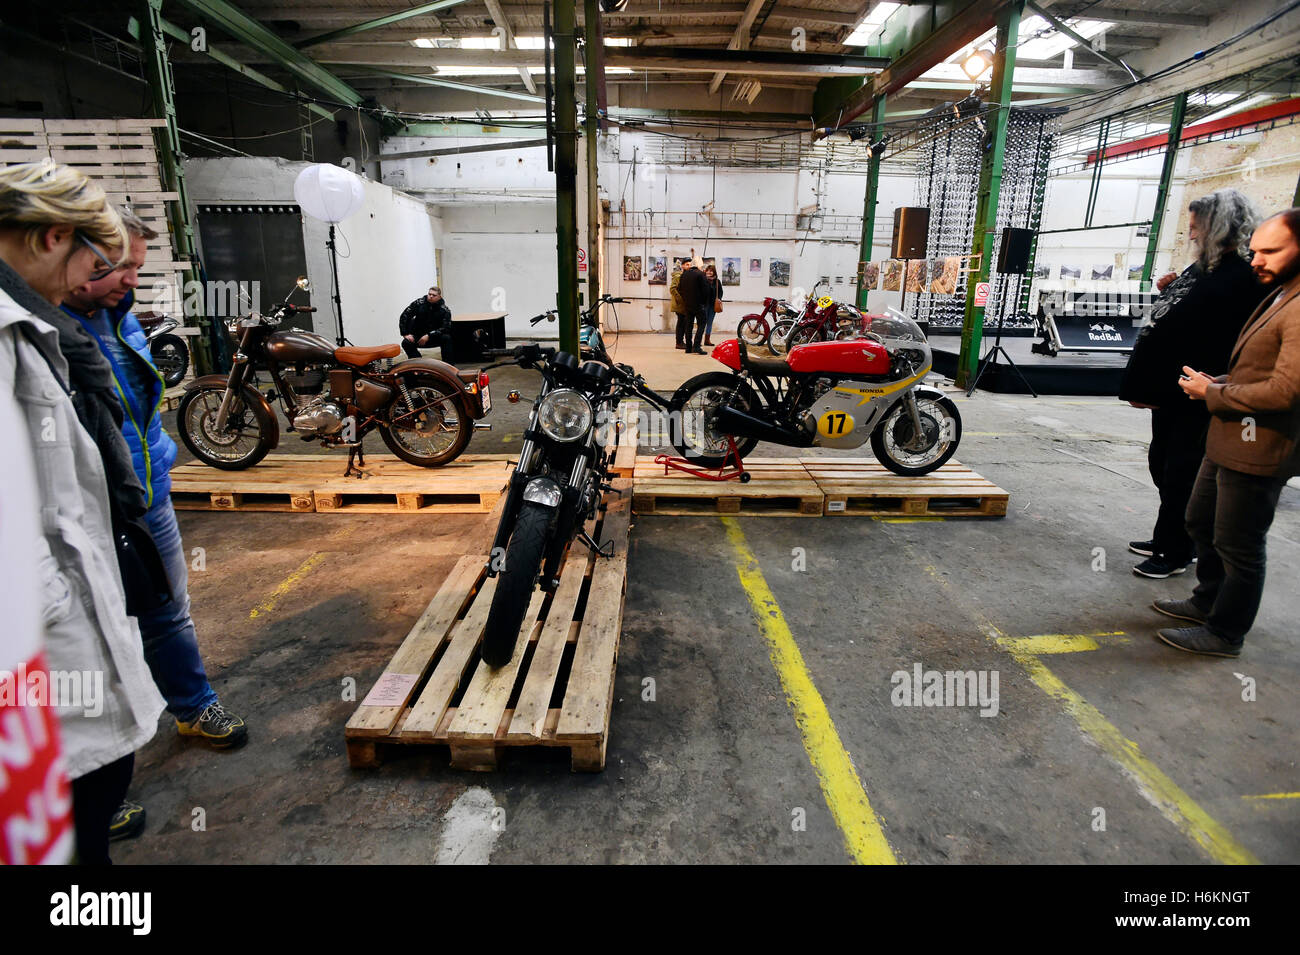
x: 778, y: 273
x: 730, y: 271
x: 631, y: 268
x: 1135, y: 273
x: 943, y: 275
x: 1042, y: 271
x: 755, y: 266
x: 915, y: 281
x: 870, y: 275
x: 1102, y: 273
x: 678, y: 260
x: 893, y: 272
x: 658, y: 274
x: 1071, y: 271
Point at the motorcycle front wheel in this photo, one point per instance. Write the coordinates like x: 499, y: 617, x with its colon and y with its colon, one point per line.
x: 171, y: 357
x: 892, y: 440
x: 431, y: 431
x: 242, y: 443
x: 694, y: 432
x: 752, y: 331
x: 515, y: 583
x: 779, y: 340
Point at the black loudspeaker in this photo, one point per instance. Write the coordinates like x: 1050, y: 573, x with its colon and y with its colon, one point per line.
x: 1013, y: 254
x: 911, y: 226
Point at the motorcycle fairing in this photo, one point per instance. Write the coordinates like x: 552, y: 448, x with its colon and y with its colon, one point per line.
x: 847, y: 399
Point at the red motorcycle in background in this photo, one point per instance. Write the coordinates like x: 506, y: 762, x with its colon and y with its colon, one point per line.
x: 756, y: 327
x: 822, y: 320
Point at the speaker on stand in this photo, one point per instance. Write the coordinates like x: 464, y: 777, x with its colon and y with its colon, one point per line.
x: 1013, y: 259
x: 911, y: 233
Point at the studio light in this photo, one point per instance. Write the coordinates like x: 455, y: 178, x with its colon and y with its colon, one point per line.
x: 977, y: 64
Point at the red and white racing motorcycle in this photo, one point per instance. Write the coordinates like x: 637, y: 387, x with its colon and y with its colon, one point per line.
x: 834, y: 394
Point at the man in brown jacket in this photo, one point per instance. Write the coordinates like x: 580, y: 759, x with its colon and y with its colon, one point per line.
x: 1251, y: 452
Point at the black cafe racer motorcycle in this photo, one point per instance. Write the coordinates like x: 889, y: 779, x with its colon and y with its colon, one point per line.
x: 424, y: 410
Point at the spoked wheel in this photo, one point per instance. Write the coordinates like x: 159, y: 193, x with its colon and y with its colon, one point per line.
x: 752, y: 330
x: 431, y: 430
x: 695, y: 432
x: 803, y: 335
x: 778, y: 341
x: 894, y: 440
x: 245, y: 439
x: 171, y: 357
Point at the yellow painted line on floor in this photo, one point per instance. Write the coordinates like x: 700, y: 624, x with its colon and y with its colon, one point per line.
x: 1154, y: 786
x: 1158, y: 789
x: 1061, y: 642
x: 1274, y: 796
x: 845, y: 795
x: 286, y: 585
x: 908, y: 520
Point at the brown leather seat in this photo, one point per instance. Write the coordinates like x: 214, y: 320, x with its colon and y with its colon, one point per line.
x: 364, y: 356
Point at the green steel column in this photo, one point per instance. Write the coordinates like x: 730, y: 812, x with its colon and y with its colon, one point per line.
x: 595, y: 65
x: 566, y: 175
x: 870, y: 197
x: 158, y: 72
x: 990, y: 185
x: 1166, y: 180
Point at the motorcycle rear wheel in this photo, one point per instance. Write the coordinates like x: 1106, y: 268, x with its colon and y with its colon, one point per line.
x: 779, y: 340
x: 515, y: 583
x: 942, y: 423
x: 171, y: 357
x: 245, y: 439
x: 694, y: 404
x: 435, y: 433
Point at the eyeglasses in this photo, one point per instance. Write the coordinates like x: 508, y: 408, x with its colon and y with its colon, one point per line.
x: 109, y: 266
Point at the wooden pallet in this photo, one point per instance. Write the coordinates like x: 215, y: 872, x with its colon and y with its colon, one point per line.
x: 628, y: 436
x: 557, y: 690
x: 863, y: 486
x: 780, y: 487
x: 471, y: 484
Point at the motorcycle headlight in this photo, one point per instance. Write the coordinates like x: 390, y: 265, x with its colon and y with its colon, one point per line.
x: 564, y: 415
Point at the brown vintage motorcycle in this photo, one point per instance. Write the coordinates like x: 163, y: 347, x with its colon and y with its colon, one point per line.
x: 425, y: 410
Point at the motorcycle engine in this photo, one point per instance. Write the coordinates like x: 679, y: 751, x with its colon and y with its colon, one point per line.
x: 806, y: 417
x: 319, y: 416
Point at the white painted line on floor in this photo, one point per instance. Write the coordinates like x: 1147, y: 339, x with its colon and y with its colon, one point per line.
x: 470, y: 829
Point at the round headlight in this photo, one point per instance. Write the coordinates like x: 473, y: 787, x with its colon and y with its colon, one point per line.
x: 564, y: 415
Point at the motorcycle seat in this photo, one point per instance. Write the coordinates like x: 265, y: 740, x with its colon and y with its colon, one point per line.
x: 765, y: 366
x: 364, y: 356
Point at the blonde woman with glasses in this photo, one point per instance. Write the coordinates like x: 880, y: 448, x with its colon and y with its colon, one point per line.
x: 58, y: 231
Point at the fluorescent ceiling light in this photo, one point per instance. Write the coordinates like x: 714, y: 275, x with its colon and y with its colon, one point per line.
x: 866, y: 31
x: 1238, y: 107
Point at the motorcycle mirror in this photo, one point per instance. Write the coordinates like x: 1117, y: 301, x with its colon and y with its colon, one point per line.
x: 513, y: 397
x: 302, y: 283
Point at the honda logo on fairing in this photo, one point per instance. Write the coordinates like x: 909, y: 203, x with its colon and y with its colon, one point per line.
x: 868, y: 355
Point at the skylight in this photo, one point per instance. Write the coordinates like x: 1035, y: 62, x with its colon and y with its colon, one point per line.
x: 866, y: 31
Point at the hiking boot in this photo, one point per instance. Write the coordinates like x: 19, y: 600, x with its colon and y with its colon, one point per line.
x: 1143, y: 548
x: 1159, y: 567
x: 224, y: 730
x: 1180, y: 610
x: 1200, y: 640
x: 127, y: 822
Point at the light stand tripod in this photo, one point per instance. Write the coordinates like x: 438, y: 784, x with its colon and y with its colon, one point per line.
x: 991, y: 357
x: 334, y: 273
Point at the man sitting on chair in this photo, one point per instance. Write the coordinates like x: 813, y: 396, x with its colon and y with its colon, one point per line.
x: 425, y: 323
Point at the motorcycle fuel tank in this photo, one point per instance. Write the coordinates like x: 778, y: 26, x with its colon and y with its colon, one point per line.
x: 857, y: 356
x: 728, y: 353
x: 294, y: 345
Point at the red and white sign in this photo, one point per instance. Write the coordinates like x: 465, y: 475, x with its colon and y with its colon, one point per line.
x: 582, y: 260
x: 981, y: 294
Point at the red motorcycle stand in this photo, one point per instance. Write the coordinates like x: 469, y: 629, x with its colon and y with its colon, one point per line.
x: 722, y: 473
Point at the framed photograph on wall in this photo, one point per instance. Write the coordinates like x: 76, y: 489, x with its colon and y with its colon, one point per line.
x: 729, y: 274
x: 870, y: 275
x: 755, y: 266
x: 893, y: 275
x: 778, y: 273
x: 1071, y: 271
x: 677, y: 263
x: 1102, y: 273
x: 658, y: 273
x: 631, y: 268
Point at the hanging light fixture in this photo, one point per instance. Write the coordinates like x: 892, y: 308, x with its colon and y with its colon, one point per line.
x: 977, y: 64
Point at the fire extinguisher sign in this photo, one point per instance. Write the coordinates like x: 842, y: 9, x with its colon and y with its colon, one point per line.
x: 981, y: 294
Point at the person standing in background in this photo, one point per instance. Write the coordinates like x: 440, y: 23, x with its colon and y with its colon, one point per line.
x: 697, y: 296
x: 1195, y: 321
x: 711, y: 273
x: 679, y: 308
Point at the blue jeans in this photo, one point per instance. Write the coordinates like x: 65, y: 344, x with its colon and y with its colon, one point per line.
x: 170, y: 646
x: 708, y: 321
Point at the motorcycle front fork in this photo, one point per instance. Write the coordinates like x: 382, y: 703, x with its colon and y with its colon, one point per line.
x: 909, y: 405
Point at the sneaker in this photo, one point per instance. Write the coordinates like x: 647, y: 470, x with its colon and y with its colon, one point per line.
x: 1142, y: 548
x: 222, y: 729
x: 1200, y: 640
x: 127, y: 822
x: 1180, y: 610
x: 1159, y: 568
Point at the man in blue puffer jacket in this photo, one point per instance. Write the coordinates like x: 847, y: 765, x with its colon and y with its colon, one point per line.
x: 170, y: 645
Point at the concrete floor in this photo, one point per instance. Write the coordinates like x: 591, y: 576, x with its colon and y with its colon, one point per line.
x: 715, y: 768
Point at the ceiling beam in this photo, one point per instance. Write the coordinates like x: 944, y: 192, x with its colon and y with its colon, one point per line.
x: 1159, y: 18
x: 345, y: 15
x: 1130, y: 42
x: 1083, y: 42
x: 422, y: 80
x: 422, y: 10
x: 239, y: 25
x: 739, y: 40
x: 499, y: 17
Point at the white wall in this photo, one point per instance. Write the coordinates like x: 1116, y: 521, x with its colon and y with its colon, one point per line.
x: 386, y: 249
